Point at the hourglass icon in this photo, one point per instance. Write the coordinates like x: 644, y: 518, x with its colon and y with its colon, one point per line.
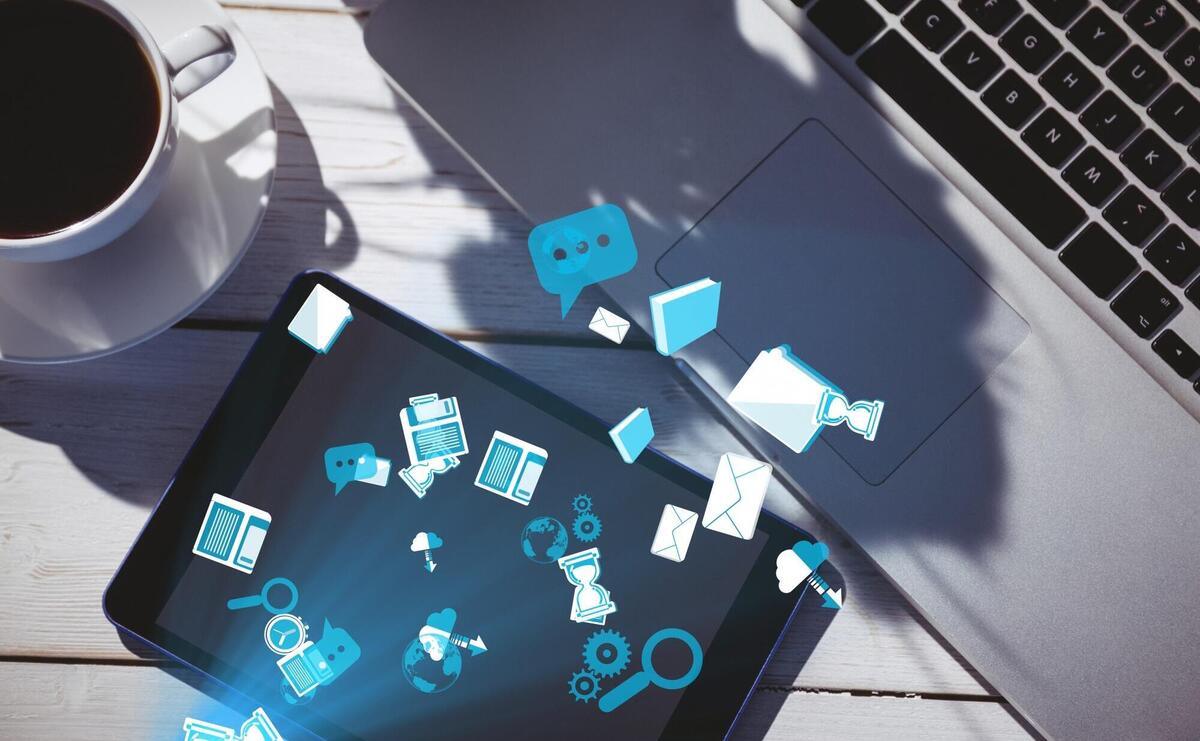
x: 861, y: 416
x: 591, y: 602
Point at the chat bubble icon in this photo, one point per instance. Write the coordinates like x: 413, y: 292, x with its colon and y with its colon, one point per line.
x: 581, y: 249
x: 346, y: 463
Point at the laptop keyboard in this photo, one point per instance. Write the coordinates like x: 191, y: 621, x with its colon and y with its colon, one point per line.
x: 1115, y: 111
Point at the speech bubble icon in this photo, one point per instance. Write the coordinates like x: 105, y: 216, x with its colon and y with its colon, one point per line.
x: 581, y: 249
x: 346, y: 463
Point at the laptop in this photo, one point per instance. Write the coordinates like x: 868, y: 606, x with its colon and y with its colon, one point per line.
x: 982, y: 213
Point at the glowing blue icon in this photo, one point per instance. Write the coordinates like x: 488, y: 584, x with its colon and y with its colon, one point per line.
x: 357, y: 462
x: 793, y: 402
x: 544, y: 540
x: 433, y: 662
x: 685, y: 314
x: 232, y: 533
x: 591, y: 602
x: 586, y: 526
x: 605, y: 654
x: 648, y: 675
x: 511, y: 468
x: 426, y: 543
x: 434, y: 437
x: 799, y: 564
x: 258, y: 727
x: 321, y: 663
x: 632, y: 434
x: 263, y: 598
x: 575, y: 251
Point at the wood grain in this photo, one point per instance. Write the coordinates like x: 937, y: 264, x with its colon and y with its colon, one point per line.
x: 57, y: 702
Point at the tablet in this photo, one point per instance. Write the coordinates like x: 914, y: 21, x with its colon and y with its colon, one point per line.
x: 381, y: 534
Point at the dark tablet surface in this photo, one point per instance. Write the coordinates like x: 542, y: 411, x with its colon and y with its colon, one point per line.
x: 366, y: 632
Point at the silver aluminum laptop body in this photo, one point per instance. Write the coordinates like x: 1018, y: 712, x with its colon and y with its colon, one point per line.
x: 1033, y: 489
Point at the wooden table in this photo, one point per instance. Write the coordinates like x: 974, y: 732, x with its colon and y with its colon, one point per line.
x: 368, y: 189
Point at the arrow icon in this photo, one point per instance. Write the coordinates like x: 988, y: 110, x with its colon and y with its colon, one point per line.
x: 426, y: 542
x: 429, y: 564
x: 475, y: 645
x: 799, y: 565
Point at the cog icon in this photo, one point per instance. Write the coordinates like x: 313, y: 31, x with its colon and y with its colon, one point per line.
x: 582, y: 503
x: 606, y: 653
x: 587, y: 527
x: 583, y: 686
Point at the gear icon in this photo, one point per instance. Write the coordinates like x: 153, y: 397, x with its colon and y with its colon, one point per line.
x: 606, y: 653
x: 584, y: 686
x: 587, y: 527
x: 582, y: 503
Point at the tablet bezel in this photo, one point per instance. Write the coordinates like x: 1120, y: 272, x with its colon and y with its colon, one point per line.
x: 241, y: 421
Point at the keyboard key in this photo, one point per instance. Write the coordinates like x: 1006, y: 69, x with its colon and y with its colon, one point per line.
x: 1145, y: 305
x: 1193, y: 292
x: 971, y: 60
x: 1174, y: 254
x: 1110, y: 120
x: 1097, y: 260
x: 1184, y: 55
x: 1183, y: 196
x: 1151, y: 159
x: 1029, y: 43
x: 1117, y: 5
x: 932, y: 23
x: 848, y: 23
x: 1191, y: 6
x: 1052, y: 137
x: 998, y: 163
x: 1135, y: 73
x: 1059, y: 12
x: 1194, y: 150
x: 1093, y: 176
x: 1012, y: 100
x: 991, y: 15
x: 895, y: 6
x: 1070, y: 82
x: 1155, y: 21
x: 1178, y: 354
x: 1177, y: 112
x: 1133, y: 215
x: 1097, y: 36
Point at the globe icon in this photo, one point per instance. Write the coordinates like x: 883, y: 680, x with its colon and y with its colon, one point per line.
x: 427, y: 675
x: 544, y: 540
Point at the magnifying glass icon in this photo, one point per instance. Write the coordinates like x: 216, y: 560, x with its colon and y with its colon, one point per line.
x: 649, y: 675
x: 264, y: 598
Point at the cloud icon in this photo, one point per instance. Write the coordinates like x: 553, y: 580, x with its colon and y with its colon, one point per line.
x: 435, y: 636
x: 425, y: 542
x: 443, y: 619
x: 795, y: 564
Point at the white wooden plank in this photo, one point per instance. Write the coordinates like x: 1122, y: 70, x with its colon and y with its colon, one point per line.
x: 59, y: 702
x: 361, y: 7
x: 85, y: 450
x: 367, y: 189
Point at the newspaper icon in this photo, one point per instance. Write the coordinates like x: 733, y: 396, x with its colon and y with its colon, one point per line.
x: 433, y: 429
x: 511, y: 468
x: 232, y: 533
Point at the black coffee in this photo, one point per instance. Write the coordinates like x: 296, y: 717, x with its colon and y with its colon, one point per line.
x: 78, y: 114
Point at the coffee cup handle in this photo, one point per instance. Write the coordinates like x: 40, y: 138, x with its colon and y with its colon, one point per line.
x: 208, y: 44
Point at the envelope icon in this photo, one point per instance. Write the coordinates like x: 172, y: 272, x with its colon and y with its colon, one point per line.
x: 609, y: 325
x: 674, y: 533
x: 780, y: 393
x: 321, y: 319
x: 738, y: 490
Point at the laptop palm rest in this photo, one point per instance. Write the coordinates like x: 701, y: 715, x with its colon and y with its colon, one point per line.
x: 813, y: 250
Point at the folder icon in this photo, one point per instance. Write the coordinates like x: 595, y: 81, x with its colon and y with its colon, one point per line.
x: 321, y: 319
x: 781, y: 393
x: 684, y: 314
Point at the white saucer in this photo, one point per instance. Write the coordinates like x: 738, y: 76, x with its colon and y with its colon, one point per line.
x: 186, y: 245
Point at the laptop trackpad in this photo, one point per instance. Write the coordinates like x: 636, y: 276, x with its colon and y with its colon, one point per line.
x: 813, y: 250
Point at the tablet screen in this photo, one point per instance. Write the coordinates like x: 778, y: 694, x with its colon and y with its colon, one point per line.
x: 449, y: 615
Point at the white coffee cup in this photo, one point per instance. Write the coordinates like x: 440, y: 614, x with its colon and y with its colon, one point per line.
x: 177, y: 75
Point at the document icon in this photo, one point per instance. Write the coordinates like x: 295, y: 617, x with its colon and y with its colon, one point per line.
x: 674, y: 534
x: 320, y: 320
x: 684, y: 314
x: 737, y: 495
x: 232, y: 533
x: 511, y: 468
x: 433, y: 429
x: 609, y: 325
x: 782, y: 395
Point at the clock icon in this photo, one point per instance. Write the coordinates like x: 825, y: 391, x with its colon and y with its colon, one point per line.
x: 284, y: 633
